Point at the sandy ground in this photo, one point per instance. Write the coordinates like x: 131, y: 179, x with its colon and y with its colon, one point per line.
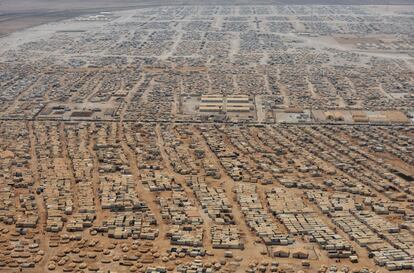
x: 20, y: 14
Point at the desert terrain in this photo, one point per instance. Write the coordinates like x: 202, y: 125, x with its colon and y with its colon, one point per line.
x: 228, y: 137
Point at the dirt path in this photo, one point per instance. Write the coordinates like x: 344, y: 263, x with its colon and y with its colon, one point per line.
x: 207, y: 222
x: 143, y: 193
x: 251, y: 249
x: 95, y: 178
x: 69, y: 166
x: 44, y: 240
x: 129, y: 97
